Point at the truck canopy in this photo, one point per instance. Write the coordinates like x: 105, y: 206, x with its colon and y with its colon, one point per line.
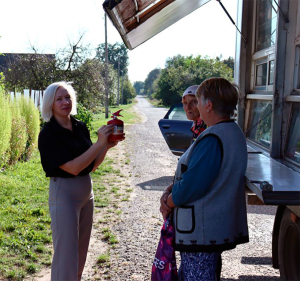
x: 139, y: 20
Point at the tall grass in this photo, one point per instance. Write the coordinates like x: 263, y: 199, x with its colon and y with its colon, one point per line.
x: 32, y: 118
x: 5, y: 127
x: 19, y: 135
x: 19, y: 128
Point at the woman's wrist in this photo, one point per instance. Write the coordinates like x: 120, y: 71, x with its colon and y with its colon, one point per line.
x: 168, y: 190
x: 101, y: 142
x: 170, y: 202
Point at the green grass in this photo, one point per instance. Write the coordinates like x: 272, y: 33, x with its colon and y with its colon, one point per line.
x: 103, y: 259
x: 109, y: 236
x: 156, y: 103
x: 25, y: 222
x: 25, y: 234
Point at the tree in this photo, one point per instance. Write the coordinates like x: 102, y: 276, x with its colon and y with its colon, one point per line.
x: 128, y: 91
x: 72, y: 63
x: 152, y: 76
x: 89, y: 83
x: 70, y: 58
x: 28, y: 71
x: 229, y: 62
x: 139, y: 87
x: 181, y: 72
x: 115, y: 51
x: 36, y: 71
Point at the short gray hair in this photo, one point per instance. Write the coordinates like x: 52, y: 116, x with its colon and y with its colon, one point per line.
x: 49, y: 95
x: 222, y: 93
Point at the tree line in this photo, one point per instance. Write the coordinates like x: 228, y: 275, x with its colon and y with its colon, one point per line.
x: 180, y: 72
x: 79, y: 64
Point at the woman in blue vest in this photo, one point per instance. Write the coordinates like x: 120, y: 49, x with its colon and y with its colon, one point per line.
x: 208, y: 196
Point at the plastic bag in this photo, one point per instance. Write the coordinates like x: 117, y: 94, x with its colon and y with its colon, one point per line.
x: 164, y: 265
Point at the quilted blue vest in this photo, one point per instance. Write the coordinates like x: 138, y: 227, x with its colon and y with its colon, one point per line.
x: 218, y: 220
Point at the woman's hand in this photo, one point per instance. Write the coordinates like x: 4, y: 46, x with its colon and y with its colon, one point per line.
x: 104, y: 132
x: 111, y: 144
x: 164, y: 208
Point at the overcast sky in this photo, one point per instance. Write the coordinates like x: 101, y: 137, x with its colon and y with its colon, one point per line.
x: 50, y: 25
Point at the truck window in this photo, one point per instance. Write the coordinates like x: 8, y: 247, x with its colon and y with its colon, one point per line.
x: 261, y: 74
x: 271, y: 72
x: 261, y: 131
x: 293, y: 146
x: 264, y: 47
x: 266, y: 20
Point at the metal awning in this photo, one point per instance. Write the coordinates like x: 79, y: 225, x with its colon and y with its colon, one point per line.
x: 139, y: 20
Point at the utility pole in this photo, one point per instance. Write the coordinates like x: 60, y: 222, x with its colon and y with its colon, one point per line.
x: 122, y: 101
x: 118, y: 101
x: 106, y: 70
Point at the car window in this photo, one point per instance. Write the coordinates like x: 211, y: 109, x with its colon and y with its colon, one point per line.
x: 177, y: 113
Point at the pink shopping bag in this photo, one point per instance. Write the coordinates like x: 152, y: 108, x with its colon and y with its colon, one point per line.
x: 164, y: 265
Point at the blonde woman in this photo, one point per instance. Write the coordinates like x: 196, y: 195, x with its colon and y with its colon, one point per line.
x: 68, y: 157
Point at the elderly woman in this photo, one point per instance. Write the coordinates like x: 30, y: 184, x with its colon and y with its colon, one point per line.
x: 68, y: 156
x: 208, y: 197
x: 189, y: 103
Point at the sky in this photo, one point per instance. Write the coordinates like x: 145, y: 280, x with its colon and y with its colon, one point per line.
x: 51, y: 25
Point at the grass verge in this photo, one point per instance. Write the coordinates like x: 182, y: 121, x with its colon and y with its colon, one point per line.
x: 128, y: 113
x: 24, y: 220
x: 156, y: 103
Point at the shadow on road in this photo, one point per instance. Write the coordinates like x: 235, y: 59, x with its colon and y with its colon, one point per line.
x: 156, y: 184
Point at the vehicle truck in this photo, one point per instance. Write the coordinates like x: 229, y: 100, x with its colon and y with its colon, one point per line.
x: 267, y: 71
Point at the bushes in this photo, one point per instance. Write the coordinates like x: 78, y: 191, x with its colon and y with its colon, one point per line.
x: 19, y: 129
x: 84, y: 115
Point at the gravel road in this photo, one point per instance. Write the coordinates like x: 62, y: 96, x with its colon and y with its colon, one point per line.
x: 152, y: 165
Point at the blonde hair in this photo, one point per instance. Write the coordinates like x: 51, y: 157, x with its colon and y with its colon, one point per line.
x: 49, y: 95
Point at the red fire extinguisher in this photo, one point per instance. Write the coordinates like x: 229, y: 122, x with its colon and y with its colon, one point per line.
x: 118, y: 127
